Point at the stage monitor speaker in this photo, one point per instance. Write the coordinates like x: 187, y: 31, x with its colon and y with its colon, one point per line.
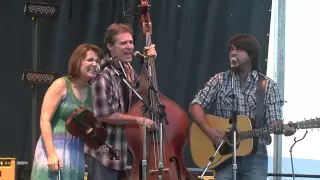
x: 8, y: 168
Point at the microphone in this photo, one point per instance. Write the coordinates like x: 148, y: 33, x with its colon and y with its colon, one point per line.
x: 108, y: 62
x: 138, y: 54
x: 233, y: 62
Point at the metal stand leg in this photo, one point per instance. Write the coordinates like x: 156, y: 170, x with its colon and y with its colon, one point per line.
x: 144, y: 160
x: 160, y: 165
x: 234, y: 165
x: 35, y: 93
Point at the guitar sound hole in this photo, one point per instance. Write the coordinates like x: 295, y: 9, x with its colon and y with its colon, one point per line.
x: 226, y: 148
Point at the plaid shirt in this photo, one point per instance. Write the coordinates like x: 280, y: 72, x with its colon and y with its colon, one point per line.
x: 110, y: 96
x: 218, y: 91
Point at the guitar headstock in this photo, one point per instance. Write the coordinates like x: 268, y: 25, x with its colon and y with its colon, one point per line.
x: 312, y: 123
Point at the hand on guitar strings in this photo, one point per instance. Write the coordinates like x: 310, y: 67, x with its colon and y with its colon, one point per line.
x: 150, y: 51
x: 216, y: 135
x: 151, y: 125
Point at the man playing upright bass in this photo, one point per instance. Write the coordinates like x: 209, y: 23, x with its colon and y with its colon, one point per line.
x: 111, y: 101
x: 244, y: 51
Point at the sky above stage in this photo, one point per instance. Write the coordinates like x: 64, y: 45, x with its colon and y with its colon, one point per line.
x: 302, y: 85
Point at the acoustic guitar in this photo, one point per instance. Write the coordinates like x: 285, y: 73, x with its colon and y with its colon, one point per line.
x: 202, y: 148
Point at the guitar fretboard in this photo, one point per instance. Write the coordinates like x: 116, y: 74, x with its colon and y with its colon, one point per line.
x: 261, y: 132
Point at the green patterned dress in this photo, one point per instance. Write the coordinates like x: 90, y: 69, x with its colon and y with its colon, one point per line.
x: 70, y: 149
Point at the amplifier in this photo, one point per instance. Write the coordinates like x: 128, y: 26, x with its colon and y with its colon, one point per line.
x: 8, y: 168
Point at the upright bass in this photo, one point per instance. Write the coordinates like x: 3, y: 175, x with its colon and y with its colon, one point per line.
x: 166, y: 162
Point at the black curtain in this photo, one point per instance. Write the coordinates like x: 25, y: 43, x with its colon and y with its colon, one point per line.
x: 191, y: 39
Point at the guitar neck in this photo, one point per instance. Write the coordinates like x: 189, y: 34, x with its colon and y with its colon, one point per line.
x: 262, y: 132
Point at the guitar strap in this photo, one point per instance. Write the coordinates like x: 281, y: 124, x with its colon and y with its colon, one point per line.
x: 260, y: 96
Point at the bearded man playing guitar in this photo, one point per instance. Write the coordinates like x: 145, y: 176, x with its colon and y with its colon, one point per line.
x: 244, y: 53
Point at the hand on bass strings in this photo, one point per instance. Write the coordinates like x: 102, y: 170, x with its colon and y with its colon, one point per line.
x: 151, y: 125
x: 150, y: 51
x: 54, y: 163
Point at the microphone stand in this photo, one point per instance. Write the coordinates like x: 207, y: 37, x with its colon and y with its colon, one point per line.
x: 144, y: 108
x: 233, y: 122
x: 162, y: 117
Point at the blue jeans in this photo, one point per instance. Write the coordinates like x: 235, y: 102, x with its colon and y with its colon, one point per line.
x: 251, y: 167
